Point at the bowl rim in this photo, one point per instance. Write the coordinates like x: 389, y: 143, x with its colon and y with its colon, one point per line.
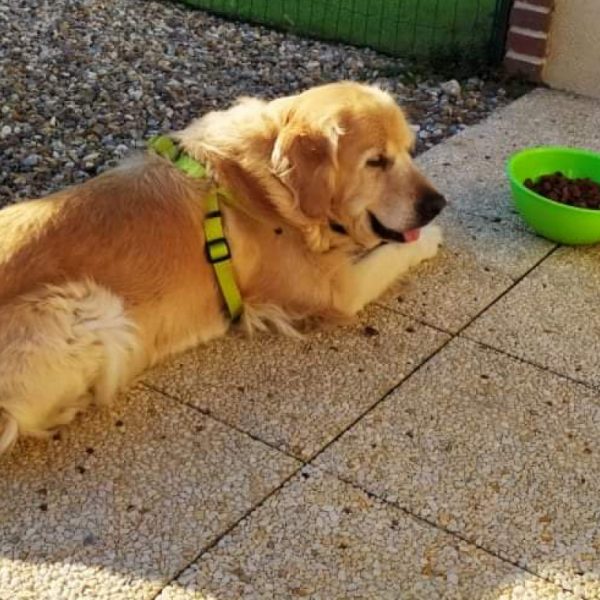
x: 544, y: 150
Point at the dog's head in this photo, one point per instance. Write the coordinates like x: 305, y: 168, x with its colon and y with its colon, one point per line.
x: 343, y: 151
x: 334, y: 161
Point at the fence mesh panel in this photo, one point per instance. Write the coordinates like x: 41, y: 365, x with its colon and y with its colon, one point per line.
x: 397, y: 27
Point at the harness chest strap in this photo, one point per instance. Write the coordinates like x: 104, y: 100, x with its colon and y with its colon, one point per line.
x: 217, y: 249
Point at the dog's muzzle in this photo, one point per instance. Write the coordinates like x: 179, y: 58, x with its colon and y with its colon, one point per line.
x: 391, y: 235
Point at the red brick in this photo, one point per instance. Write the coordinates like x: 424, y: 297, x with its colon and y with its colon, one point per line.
x: 523, y: 69
x: 530, y: 19
x: 526, y: 44
x: 546, y: 3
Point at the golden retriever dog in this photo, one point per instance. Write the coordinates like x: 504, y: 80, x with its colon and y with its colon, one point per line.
x: 104, y: 279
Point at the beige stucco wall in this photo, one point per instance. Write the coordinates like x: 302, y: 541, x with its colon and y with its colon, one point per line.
x: 574, y: 47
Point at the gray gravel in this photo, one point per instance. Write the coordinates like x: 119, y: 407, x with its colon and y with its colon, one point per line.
x: 84, y: 81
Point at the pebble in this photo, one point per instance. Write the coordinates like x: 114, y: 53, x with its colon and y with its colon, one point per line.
x: 81, y: 79
x: 121, y: 149
x: 136, y: 94
x: 451, y: 88
x: 31, y: 161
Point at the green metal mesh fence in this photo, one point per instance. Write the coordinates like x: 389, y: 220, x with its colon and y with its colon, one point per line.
x: 397, y: 27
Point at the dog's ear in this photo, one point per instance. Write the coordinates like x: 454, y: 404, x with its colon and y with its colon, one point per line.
x: 304, y: 159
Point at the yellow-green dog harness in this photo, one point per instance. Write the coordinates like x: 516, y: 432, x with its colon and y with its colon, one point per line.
x: 218, y: 252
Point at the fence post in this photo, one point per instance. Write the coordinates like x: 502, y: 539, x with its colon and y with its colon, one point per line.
x: 500, y: 30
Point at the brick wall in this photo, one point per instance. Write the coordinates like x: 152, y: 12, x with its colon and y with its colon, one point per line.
x: 527, y: 41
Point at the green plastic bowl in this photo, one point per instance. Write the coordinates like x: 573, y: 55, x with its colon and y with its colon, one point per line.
x: 557, y: 222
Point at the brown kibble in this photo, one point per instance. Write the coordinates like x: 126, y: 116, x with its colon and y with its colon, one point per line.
x: 581, y: 193
x: 370, y: 331
x: 444, y: 518
x: 301, y: 591
x: 546, y: 537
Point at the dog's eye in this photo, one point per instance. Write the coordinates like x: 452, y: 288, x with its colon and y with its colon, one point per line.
x: 380, y: 162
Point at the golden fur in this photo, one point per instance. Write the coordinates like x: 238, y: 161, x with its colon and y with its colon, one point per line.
x: 104, y: 279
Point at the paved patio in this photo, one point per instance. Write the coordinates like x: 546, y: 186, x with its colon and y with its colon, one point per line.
x: 443, y: 447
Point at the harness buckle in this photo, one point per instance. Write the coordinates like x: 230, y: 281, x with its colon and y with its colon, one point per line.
x: 217, y: 250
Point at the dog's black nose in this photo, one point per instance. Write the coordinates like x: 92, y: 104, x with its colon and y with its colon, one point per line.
x: 430, y: 205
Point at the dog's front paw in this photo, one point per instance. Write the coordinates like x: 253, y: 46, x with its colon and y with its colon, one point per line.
x: 429, y: 242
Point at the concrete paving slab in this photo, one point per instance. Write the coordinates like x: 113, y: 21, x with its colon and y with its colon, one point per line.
x: 298, y: 395
x: 470, y: 167
x: 124, y: 500
x: 320, y: 538
x: 495, y: 450
x: 480, y: 260
x: 551, y: 317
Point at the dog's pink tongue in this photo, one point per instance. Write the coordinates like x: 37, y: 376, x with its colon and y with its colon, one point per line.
x: 412, y: 235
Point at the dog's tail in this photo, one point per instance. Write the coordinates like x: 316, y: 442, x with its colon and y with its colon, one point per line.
x: 60, y: 347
